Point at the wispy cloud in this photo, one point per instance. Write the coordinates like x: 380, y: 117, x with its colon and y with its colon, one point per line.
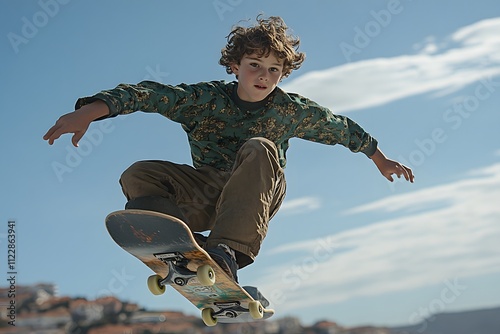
x: 454, y: 234
x: 470, y: 54
x: 300, y: 205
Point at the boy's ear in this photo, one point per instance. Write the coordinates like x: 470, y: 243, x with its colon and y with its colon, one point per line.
x: 235, y: 68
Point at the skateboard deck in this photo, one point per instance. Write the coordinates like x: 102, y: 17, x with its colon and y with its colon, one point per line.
x: 166, y: 245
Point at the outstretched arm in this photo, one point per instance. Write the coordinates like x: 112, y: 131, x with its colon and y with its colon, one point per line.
x: 388, y: 167
x: 77, y: 122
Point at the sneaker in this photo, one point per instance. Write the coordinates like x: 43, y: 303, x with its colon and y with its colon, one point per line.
x: 200, y: 239
x: 226, y: 259
x: 257, y: 295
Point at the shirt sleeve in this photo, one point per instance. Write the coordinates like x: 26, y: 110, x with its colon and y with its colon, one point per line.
x: 174, y: 102
x: 320, y: 124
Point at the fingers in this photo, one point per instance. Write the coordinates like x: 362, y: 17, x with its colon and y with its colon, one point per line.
x: 53, y: 134
x: 57, y: 131
x: 70, y: 123
x: 76, y: 138
x: 389, y: 167
x: 399, y: 170
x: 411, y: 177
x: 406, y: 172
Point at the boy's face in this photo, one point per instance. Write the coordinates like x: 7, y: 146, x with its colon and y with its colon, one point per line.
x: 257, y: 76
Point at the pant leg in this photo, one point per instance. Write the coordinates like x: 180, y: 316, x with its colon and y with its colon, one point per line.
x: 250, y: 198
x: 236, y: 206
x: 194, y: 191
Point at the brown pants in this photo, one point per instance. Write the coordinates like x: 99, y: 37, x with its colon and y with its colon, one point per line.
x: 235, y: 206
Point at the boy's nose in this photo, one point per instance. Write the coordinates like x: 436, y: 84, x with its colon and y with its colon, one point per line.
x: 263, y: 76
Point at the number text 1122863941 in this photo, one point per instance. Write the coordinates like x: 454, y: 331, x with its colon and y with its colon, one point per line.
x: 11, y: 271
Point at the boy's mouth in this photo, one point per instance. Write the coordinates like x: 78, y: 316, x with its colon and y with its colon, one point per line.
x: 260, y: 87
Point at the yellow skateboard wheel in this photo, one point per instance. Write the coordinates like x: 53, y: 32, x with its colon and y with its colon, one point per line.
x: 206, y: 275
x: 208, y: 319
x: 154, y: 285
x: 256, y: 310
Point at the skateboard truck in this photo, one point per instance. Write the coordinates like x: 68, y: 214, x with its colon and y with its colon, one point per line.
x: 179, y: 274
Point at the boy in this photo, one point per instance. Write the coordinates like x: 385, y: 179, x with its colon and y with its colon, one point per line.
x: 238, y: 133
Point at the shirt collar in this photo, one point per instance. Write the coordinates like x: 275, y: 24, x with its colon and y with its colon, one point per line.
x: 248, y: 106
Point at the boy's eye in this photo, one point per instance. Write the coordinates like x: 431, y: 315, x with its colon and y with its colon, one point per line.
x: 273, y: 69
x: 254, y: 64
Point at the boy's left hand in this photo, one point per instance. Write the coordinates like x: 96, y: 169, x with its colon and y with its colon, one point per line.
x: 389, y: 167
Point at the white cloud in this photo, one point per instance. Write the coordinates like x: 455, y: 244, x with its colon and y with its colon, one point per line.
x: 453, y: 235
x: 474, y: 54
x: 300, y: 205
x: 428, y: 46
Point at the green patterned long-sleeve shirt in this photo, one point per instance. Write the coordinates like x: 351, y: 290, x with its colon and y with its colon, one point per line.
x: 217, y: 126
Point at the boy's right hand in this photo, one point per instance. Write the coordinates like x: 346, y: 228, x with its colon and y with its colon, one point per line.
x: 77, y: 122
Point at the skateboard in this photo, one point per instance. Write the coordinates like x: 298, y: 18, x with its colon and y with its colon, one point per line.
x: 167, y: 246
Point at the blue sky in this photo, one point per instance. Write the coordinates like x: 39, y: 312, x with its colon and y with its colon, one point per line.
x: 423, y: 77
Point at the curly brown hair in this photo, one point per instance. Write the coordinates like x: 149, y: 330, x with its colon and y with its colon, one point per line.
x: 268, y: 35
